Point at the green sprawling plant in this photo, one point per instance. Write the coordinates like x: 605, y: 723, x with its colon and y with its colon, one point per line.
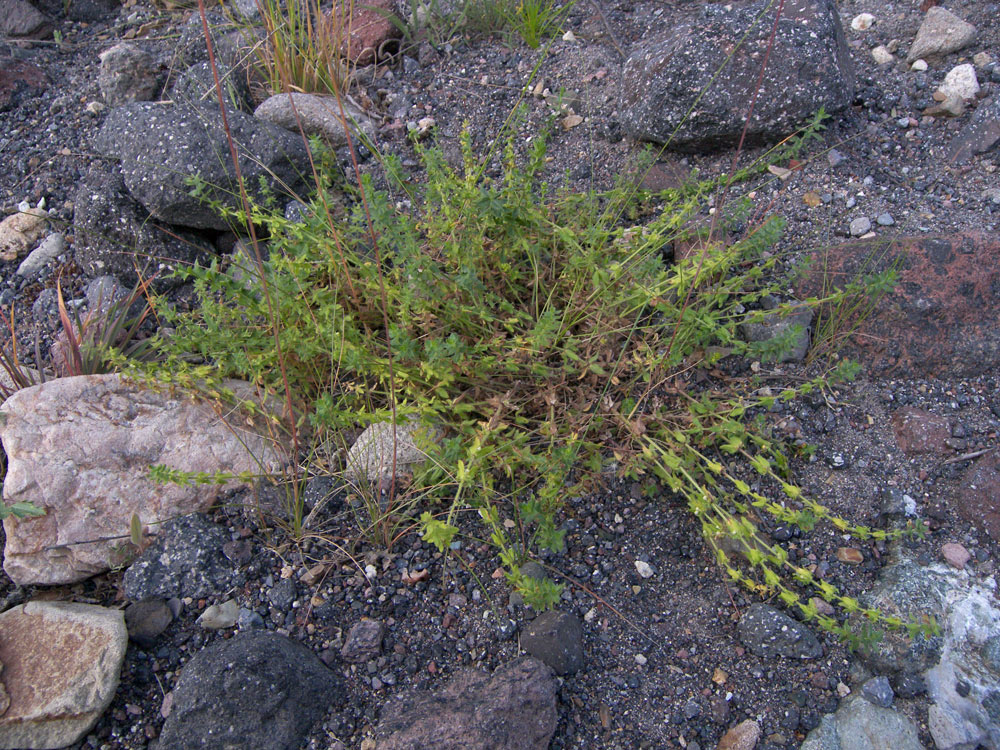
x: 539, y: 337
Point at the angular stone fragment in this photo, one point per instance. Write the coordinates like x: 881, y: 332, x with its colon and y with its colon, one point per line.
x: 979, y: 501
x: 980, y: 135
x: 81, y: 448
x: 768, y: 632
x: 371, y: 456
x: 363, y: 642
x: 61, y: 664
x: 940, y: 33
x: 514, y: 709
x: 20, y: 231
x: 743, y: 736
x: 555, y: 638
x: 128, y: 74
x: 18, y: 79
x: 19, y: 18
x: 671, y: 92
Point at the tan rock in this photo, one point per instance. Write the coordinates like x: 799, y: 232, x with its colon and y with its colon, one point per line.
x: 81, y: 448
x: 18, y: 232
x: 940, y: 33
x: 61, y: 664
x: 743, y: 736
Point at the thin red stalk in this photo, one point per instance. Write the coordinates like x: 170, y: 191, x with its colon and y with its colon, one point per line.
x: 255, y: 242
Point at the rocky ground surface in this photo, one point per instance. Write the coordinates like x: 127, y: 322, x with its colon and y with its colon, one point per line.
x: 650, y: 648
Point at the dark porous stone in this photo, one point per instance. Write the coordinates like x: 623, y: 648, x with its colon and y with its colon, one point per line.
x: 514, y: 709
x: 282, y: 594
x: 363, y: 642
x: 145, y: 620
x: 671, y: 92
x: 197, y: 85
x: 257, y: 691
x: 555, y: 638
x: 185, y: 559
x: 115, y: 235
x: 768, y: 632
x: 163, y: 146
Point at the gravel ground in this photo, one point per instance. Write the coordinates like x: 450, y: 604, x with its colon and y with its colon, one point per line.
x: 664, y: 664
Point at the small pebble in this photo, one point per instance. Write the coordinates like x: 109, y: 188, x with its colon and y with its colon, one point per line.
x: 862, y: 21
x: 885, y: 220
x: 882, y: 56
x: 919, y: 65
x: 860, y: 226
x: 644, y: 569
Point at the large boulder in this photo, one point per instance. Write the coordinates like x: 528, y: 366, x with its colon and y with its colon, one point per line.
x: 164, y: 148
x: 60, y: 666
x: 81, y: 449
x: 115, y: 235
x: 514, y: 709
x: 691, y: 88
x: 257, y: 691
x: 962, y: 671
x: 938, y: 320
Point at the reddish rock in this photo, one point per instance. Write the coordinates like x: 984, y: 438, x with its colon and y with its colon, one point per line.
x: 940, y: 317
x: 955, y: 554
x: 743, y: 736
x: 920, y: 431
x: 17, y: 79
x: 368, y: 28
x: 979, y: 499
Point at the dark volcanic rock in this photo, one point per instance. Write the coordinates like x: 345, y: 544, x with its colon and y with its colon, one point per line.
x: 145, y: 620
x: 163, y: 147
x: 768, y: 632
x: 258, y: 691
x: 980, y: 500
x: 670, y: 92
x: 363, y: 642
x: 515, y: 709
x: 18, y: 79
x: 555, y: 638
x: 115, y: 235
x: 940, y: 317
x: 186, y: 559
